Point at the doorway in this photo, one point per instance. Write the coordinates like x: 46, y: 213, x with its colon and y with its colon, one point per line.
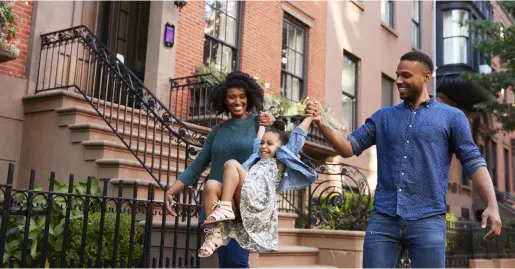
x: 123, y: 27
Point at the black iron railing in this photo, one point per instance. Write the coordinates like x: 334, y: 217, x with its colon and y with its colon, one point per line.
x: 75, y: 58
x: 340, y: 199
x: 189, y: 100
x: 78, y: 225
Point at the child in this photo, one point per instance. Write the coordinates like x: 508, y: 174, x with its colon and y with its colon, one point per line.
x: 274, y: 167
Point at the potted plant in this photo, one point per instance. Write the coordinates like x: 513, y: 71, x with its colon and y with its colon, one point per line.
x: 8, y: 50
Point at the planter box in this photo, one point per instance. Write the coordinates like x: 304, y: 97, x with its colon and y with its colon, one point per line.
x: 6, y: 56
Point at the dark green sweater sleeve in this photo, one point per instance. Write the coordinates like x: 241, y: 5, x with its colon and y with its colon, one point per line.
x: 194, y: 171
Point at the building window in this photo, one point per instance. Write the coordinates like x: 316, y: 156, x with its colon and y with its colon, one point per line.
x: 221, y: 34
x: 415, y: 42
x: 293, y: 59
x: 465, y: 213
x: 506, y: 171
x: 492, y: 161
x: 387, y: 91
x: 349, y: 90
x: 455, y: 36
x: 387, y: 12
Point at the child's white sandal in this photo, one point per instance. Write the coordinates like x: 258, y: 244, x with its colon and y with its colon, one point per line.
x: 213, y: 242
x: 222, y: 212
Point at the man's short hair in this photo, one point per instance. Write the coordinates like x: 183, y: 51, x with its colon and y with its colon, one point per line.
x: 418, y: 56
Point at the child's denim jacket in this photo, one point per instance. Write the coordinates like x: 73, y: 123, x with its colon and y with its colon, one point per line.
x: 297, y: 175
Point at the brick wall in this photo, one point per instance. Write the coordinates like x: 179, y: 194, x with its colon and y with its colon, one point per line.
x: 190, y: 38
x: 17, y: 68
x: 261, y: 42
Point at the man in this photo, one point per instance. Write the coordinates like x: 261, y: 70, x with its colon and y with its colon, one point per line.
x: 415, y: 142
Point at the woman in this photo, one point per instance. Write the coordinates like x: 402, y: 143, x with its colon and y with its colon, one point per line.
x: 238, y: 95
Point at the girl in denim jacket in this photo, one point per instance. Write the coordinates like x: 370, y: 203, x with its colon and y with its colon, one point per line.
x: 252, y: 187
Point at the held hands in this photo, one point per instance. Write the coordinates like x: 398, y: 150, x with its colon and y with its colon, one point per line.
x: 491, y: 213
x: 266, y: 118
x: 314, y: 109
x: 170, y: 208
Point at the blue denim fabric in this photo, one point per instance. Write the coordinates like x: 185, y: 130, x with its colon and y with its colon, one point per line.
x: 297, y: 175
x: 387, y: 237
x: 233, y: 256
x: 414, y: 152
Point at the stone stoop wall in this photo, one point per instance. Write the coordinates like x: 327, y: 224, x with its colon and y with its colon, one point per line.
x: 493, y: 263
x: 342, y: 249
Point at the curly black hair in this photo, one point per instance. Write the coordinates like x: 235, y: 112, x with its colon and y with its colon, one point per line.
x: 255, y: 94
x: 418, y: 56
x: 278, y: 127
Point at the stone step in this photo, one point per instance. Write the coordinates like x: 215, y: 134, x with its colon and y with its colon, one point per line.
x: 289, y: 237
x: 121, y: 168
x: 102, y: 149
x: 79, y: 114
x: 287, y: 220
x: 142, y: 191
x: 291, y: 255
x: 90, y: 131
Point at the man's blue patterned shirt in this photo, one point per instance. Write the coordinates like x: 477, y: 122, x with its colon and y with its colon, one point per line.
x: 414, y: 153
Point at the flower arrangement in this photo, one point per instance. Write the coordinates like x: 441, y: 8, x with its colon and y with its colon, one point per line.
x: 280, y: 106
x: 8, y: 27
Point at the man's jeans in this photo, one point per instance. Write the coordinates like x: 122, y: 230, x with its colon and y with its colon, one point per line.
x: 387, y: 237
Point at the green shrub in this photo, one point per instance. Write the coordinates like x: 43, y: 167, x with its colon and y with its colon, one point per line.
x: 350, y: 212
x: 16, y: 227
x: 108, y: 242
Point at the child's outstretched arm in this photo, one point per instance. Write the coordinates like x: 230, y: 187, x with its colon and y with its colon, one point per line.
x: 260, y: 132
x: 306, y: 123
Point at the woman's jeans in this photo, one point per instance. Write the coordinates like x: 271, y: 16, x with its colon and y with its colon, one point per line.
x: 233, y: 256
x: 387, y: 237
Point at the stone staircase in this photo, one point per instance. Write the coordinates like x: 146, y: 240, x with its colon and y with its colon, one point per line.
x: 86, y: 143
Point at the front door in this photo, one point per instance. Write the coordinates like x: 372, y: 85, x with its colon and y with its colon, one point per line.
x: 124, y: 29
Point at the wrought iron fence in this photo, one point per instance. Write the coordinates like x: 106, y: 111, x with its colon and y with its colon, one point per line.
x: 75, y: 58
x: 78, y: 225
x: 340, y: 199
x: 464, y: 241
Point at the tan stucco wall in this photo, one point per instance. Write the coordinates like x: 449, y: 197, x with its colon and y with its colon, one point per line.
x: 160, y: 64
x: 493, y: 263
x: 359, y: 31
x: 11, y: 122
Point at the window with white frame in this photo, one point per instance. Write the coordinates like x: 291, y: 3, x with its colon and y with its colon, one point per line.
x: 221, y: 34
x: 293, y: 59
x: 349, y: 90
x: 415, y: 37
x: 387, y: 12
x: 455, y: 36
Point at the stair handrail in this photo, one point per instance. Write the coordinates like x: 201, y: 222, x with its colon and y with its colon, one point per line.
x: 194, y: 79
x: 177, y: 129
x: 152, y: 103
